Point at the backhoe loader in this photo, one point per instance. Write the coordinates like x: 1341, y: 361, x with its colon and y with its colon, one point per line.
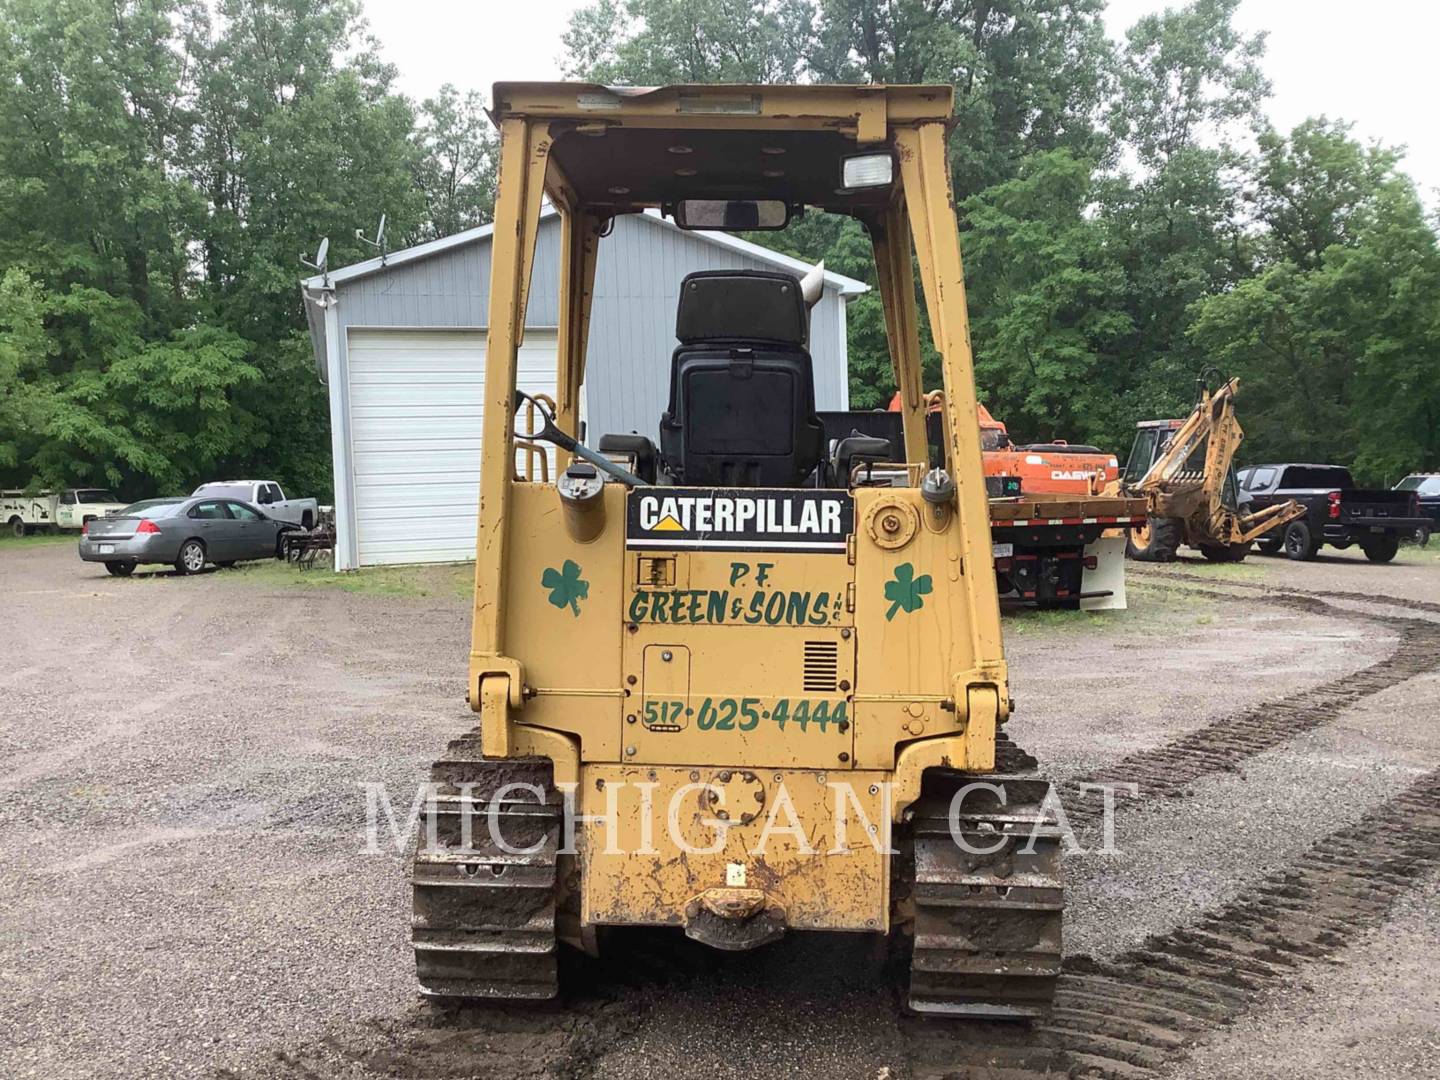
x: 1186, y: 471
x: 722, y: 686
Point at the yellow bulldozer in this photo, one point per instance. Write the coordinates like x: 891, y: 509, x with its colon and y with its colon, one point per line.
x: 749, y: 681
x: 1185, y: 469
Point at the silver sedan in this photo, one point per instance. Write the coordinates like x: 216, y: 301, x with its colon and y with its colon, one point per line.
x: 186, y: 533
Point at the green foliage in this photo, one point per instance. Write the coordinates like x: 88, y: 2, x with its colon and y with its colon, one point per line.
x: 456, y: 163
x: 655, y: 42
x: 1337, y: 351
x: 1029, y: 75
x: 1129, y: 218
x: 1042, y: 288
x: 162, y: 165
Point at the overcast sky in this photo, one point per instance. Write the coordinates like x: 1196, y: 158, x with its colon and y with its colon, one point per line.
x: 1372, y: 63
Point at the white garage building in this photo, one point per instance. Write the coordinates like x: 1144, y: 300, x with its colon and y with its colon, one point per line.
x: 401, y: 346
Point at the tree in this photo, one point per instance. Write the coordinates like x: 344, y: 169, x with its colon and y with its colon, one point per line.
x: 1314, y: 189
x: 26, y: 384
x: 655, y: 42
x: 161, y: 170
x: 456, y: 164
x: 1042, y: 288
x: 300, y: 136
x: 93, y: 111
x: 1029, y: 75
x: 1188, y: 82
x: 1338, y: 358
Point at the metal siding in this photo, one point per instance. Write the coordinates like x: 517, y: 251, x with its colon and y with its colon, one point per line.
x: 637, y: 284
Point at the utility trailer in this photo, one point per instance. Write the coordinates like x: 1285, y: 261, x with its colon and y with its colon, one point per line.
x: 68, y: 508
x: 24, y: 513
x: 1057, y: 551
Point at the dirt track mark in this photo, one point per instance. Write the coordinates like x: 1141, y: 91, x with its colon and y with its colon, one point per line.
x: 1130, y: 1017
x: 1281, y: 591
x: 1168, y: 770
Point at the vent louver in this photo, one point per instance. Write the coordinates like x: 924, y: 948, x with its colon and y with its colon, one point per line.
x: 822, y: 667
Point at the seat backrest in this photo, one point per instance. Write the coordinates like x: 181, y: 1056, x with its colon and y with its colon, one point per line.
x: 742, y: 394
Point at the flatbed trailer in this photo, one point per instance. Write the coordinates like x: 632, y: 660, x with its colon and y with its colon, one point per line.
x: 1062, y: 550
x: 1053, y: 549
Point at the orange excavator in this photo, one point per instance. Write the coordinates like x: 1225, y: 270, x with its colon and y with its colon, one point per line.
x: 1057, y: 467
x: 1058, y: 541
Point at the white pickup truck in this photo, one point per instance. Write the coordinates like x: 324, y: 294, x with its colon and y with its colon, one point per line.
x: 69, y: 508
x: 265, y: 494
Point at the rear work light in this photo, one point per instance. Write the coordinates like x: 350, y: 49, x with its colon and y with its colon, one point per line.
x: 1334, y: 498
x: 146, y: 526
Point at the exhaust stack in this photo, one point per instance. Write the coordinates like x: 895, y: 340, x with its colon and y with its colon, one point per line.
x: 812, y: 285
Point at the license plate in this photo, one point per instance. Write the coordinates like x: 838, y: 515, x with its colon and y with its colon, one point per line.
x: 1377, y: 528
x: 107, y: 549
x: 1003, y: 551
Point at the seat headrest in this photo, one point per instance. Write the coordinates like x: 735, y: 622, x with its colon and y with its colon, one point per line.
x: 749, y: 305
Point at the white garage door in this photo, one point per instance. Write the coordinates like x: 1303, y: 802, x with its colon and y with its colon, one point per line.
x: 416, y: 406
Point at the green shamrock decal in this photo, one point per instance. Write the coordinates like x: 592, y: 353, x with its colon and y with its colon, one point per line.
x: 906, y: 591
x: 567, y: 587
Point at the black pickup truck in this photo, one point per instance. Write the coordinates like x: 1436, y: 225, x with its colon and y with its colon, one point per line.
x: 1336, y: 511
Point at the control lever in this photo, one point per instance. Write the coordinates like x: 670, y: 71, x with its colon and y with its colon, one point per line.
x: 550, y: 433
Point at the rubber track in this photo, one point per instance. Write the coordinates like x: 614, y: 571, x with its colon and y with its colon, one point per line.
x: 1131, y: 1017
x: 1168, y: 771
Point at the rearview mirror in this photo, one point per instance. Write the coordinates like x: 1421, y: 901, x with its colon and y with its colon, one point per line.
x: 732, y: 213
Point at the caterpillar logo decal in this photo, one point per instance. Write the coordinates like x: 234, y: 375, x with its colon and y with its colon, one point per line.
x: 739, y: 519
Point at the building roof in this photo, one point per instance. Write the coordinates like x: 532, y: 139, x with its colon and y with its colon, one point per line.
x: 846, y: 286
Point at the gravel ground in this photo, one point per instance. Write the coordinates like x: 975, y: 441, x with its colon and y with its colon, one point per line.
x: 1375, y: 1013
x: 185, y: 893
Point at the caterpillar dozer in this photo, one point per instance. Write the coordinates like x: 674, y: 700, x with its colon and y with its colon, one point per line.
x: 1186, y: 471
x: 722, y: 687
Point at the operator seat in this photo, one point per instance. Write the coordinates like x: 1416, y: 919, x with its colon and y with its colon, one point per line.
x: 742, y: 392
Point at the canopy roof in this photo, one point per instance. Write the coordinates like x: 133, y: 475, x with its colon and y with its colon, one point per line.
x: 623, y: 149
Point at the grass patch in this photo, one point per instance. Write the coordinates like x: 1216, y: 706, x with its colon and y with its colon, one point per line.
x: 447, y: 579
x: 1027, y: 621
x: 1410, y: 555
x: 10, y: 540
x: 1160, y: 606
x: 1150, y: 604
x: 1235, y: 571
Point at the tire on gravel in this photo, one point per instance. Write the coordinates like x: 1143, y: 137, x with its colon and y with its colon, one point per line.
x: 191, y: 559
x: 1156, y: 541
x: 1300, y: 542
x: 1381, y: 549
x: 122, y: 568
